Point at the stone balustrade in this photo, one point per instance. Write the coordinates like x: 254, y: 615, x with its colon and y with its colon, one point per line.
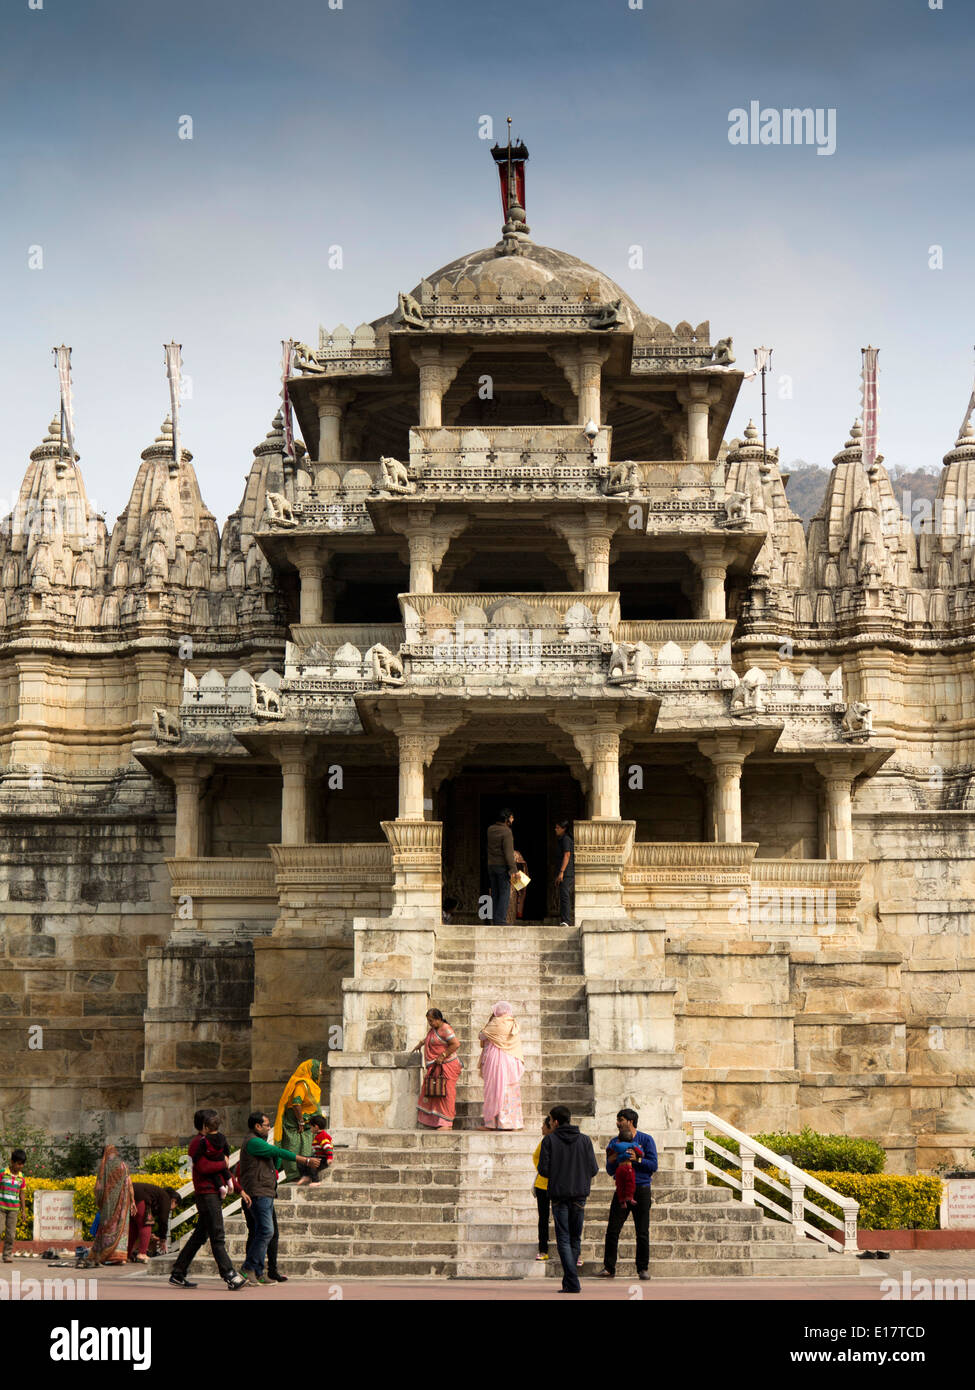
x: 509, y: 457
x: 223, y: 878
x: 563, y: 617
x: 685, y: 864
x: 214, y: 699
x: 803, y: 900
x: 222, y: 901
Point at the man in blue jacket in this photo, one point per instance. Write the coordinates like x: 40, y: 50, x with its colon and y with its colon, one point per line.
x: 643, y: 1169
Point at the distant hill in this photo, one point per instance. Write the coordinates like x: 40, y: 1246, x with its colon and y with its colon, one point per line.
x: 806, y: 487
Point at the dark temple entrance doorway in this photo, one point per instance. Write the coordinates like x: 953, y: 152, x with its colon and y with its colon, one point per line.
x: 468, y: 803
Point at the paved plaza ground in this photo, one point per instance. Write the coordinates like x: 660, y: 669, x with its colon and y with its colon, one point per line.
x: 865, y: 1285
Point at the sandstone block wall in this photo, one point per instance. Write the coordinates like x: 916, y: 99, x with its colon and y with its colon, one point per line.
x: 83, y: 904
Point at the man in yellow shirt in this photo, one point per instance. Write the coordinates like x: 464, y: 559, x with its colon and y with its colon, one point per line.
x: 540, y: 1190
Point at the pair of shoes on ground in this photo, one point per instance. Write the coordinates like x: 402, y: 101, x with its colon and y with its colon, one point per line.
x: 611, y: 1274
x: 874, y: 1255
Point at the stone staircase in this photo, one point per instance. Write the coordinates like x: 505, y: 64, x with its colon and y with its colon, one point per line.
x: 457, y: 1205
x: 538, y: 970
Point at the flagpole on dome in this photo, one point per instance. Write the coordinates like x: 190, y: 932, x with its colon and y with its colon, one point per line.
x: 763, y: 361
x: 511, y: 160
x: 62, y: 361
x: 174, y: 367
x: 968, y: 412
x: 868, y: 397
x: 287, y: 366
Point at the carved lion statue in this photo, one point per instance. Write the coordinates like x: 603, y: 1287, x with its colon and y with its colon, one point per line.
x: 387, y: 669
x: 723, y: 356
x: 621, y: 478
x: 410, y: 312
x: 737, y: 508
x: 165, y: 726
x: 627, y: 661
x: 857, y: 721
x: 306, y: 361
x: 747, y: 696
x: 279, y: 510
x: 266, y: 700
x: 396, y: 476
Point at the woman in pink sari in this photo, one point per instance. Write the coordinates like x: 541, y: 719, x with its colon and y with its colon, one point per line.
x: 440, y: 1045
x: 502, y: 1065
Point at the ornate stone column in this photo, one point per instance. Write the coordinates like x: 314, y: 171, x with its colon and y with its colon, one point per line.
x: 423, y: 553
x: 437, y: 367
x: 188, y: 781
x: 838, y: 787
x: 583, y: 368
x: 293, y: 757
x: 591, y: 359
x: 596, y: 572
x: 696, y: 398
x: 590, y: 541
x: 331, y: 401
x: 727, y: 756
x: 712, y: 566
x: 605, y: 796
x: 311, y: 564
x: 416, y: 752
x: 429, y: 538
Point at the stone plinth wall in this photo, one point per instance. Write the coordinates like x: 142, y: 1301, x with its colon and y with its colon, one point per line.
x: 826, y: 993
x: 299, y: 968
x: 197, y: 1037
x: 84, y: 902
x: 919, y: 903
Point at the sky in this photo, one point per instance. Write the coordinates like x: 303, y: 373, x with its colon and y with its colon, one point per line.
x: 359, y: 127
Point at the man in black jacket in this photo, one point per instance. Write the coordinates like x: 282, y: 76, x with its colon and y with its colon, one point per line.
x: 568, y: 1161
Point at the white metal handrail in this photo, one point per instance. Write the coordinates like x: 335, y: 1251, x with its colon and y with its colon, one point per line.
x: 799, y: 1181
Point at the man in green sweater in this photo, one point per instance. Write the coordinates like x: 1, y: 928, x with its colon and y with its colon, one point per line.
x: 258, y: 1172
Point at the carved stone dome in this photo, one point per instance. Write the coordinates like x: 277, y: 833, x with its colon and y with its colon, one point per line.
x: 533, y: 268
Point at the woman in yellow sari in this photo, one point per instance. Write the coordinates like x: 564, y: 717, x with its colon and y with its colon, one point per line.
x: 300, y: 1099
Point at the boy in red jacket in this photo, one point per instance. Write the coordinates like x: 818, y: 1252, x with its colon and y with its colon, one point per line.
x: 209, y: 1152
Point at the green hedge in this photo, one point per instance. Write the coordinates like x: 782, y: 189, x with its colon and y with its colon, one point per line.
x: 888, y: 1201
x: 813, y: 1152
x: 164, y: 1161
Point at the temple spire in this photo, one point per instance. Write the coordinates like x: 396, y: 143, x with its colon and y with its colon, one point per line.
x: 511, y: 160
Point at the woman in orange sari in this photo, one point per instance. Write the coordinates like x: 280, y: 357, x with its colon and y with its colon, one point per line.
x: 441, y: 1046
x: 300, y: 1099
x: 116, y: 1203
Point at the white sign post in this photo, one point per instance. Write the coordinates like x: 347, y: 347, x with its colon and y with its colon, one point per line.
x: 54, y: 1218
x: 958, y: 1204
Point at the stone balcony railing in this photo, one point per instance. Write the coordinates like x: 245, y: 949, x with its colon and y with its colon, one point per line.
x: 222, y: 878
x: 513, y: 458
x: 555, y: 617
x: 685, y: 864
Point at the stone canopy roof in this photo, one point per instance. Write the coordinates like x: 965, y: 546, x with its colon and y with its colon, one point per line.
x: 532, y: 270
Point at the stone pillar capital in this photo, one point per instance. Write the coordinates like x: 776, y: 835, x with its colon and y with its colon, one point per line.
x: 726, y: 750
x: 331, y: 400
x: 699, y: 391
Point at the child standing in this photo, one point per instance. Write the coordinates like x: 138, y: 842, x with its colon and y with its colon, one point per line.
x: 13, y: 1202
